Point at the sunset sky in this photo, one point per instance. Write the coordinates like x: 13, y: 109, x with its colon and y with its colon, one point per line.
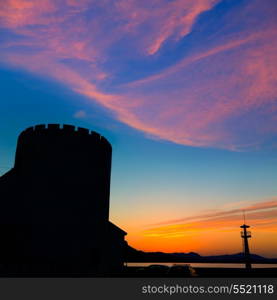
x: 185, y: 91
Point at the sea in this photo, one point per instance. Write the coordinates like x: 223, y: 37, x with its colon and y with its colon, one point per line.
x: 201, y: 265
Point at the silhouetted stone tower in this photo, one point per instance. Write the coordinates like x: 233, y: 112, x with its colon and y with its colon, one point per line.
x: 55, y: 202
x: 75, y: 162
x: 245, y: 234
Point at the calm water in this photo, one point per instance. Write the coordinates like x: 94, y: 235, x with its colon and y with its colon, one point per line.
x: 204, y: 265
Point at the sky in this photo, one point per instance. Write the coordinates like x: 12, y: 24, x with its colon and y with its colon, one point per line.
x: 185, y: 91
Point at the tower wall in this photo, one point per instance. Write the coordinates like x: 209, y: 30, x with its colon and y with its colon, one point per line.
x: 65, y: 174
x: 55, y: 204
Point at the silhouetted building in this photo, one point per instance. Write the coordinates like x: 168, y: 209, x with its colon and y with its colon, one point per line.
x: 54, y: 205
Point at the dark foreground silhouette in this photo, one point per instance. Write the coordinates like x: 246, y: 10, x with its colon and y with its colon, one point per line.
x: 54, y: 205
x: 183, y: 267
x: 133, y: 255
x: 188, y: 271
x: 54, y: 214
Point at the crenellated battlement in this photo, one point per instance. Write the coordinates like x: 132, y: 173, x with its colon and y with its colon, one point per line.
x: 63, y: 130
x: 54, y: 144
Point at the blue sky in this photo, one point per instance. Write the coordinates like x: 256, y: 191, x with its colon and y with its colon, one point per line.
x: 185, y: 91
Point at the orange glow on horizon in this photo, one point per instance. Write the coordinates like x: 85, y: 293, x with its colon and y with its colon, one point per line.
x: 207, y: 242
x: 215, y: 233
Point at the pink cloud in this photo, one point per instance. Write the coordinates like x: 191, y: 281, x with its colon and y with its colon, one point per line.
x: 220, y: 94
x: 19, y: 13
x: 181, y: 16
x: 233, y: 80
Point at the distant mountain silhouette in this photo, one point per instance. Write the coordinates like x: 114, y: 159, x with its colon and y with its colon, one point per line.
x: 134, y: 255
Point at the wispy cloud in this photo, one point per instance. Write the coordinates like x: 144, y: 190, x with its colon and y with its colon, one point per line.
x: 214, y: 231
x: 220, y: 93
x: 80, y: 114
x: 261, y: 215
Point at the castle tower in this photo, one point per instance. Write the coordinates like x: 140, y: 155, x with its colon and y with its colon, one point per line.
x: 54, y: 207
x: 75, y: 162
